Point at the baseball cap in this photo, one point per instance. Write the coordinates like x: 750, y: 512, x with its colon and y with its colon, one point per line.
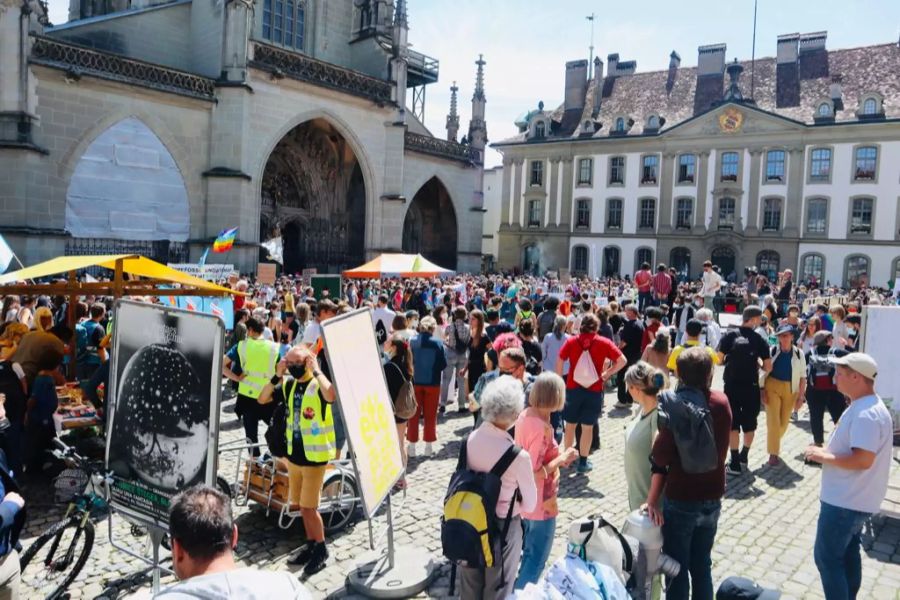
x: 785, y: 329
x: 821, y: 337
x: 741, y: 588
x: 862, y: 363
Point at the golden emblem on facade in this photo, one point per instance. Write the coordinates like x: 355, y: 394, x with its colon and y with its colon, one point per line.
x: 731, y: 120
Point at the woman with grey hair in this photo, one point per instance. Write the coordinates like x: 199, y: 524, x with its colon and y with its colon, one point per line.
x: 710, y: 327
x: 552, y: 343
x: 501, y: 403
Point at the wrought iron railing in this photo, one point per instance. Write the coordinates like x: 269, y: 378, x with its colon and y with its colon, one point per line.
x: 438, y: 147
x: 301, y: 67
x: 161, y: 251
x: 80, y: 60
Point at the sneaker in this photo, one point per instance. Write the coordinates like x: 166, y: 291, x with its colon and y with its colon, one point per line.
x: 428, y: 449
x: 317, y: 560
x: 621, y: 405
x: 442, y: 410
x: 411, y: 450
x: 584, y: 467
x: 773, y: 461
x: 733, y: 468
x: 744, y: 456
x: 302, y: 557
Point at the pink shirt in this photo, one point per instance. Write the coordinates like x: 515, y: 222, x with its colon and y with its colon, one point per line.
x: 535, y: 435
x: 485, y: 447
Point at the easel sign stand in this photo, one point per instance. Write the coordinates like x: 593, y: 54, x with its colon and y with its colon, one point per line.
x: 368, y: 413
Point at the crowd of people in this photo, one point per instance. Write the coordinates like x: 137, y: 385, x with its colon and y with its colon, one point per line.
x: 531, y: 359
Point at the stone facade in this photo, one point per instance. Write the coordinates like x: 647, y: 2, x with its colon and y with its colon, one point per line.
x: 681, y: 166
x: 218, y: 98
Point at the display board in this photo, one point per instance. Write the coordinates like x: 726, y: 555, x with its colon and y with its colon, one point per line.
x: 332, y: 283
x: 880, y: 327
x: 730, y: 320
x: 365, y: 404
x: 164, y: 391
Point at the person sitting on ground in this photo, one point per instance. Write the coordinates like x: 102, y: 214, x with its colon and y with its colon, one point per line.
x: 204, y: 537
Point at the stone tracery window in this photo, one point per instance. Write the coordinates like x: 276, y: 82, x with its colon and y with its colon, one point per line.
x: 284, y: 22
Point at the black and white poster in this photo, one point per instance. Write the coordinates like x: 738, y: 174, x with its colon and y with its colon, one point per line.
x: 165, y: 390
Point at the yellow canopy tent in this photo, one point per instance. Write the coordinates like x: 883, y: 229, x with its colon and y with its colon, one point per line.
x: 397, y: 265
x: 157, y: 280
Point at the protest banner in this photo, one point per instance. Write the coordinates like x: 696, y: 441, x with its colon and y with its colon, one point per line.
x: 222, y: 307
x: 209, y: 272
x: 365, y: 404
x: 265, y: 273
x: 164, y: 394
x: 730, y: 320
x: 880, y: 325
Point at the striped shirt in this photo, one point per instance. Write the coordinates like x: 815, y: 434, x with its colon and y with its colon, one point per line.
x: 662, y: 283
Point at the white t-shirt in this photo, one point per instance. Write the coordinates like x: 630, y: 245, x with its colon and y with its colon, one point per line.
x: 382, y: 319
x: 312, y: 333
x: 866, y: 424
x: 248, y: 584
x: 712, y: 281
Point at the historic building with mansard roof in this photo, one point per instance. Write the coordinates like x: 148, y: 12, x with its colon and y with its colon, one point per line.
x: 787, y: 162
x: 148, y: 126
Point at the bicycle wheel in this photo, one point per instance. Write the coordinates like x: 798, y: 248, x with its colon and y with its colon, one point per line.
x: 339, y: 501
x: 53, y: 561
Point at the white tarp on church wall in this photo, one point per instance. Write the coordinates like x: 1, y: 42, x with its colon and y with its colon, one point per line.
x: 127, y: 186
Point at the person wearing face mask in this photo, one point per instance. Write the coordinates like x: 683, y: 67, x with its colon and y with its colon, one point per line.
x: 308, y: 396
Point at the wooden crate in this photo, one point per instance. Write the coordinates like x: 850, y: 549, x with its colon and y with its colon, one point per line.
x: 263, y: 487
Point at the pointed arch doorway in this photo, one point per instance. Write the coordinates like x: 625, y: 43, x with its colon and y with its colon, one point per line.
x: 429, y: 227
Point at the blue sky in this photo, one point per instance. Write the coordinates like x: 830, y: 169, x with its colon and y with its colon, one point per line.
x: 526, y: 43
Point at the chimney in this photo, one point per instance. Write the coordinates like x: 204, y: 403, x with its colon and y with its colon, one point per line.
x: 711, y: 60
x: 612, y: 63
x: 576, y: 84
x: 674, y: 63
x: 787, y: 71
x: 837, y: 92
x: 787, y: 48
x: 598, y: 87
x: 810, y: 42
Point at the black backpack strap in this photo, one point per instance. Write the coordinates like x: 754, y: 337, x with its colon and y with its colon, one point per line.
x: 462, y: 463
x: 506, y: 460
x: 628, y: 556
x: 506, y: 523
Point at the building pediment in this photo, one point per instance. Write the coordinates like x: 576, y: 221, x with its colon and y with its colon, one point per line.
x: 733, y: 119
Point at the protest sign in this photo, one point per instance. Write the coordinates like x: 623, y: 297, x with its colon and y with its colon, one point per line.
x: 265, y: 273
x: 879, y: 331
x: 365, y: 404
x: 209, y: 272
x: 222, y: 307
x: 321, y: 283
x: 164, y: 394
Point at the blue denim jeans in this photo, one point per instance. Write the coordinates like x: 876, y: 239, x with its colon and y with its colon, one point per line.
x: 688, y: 534
x: 837, y: 551
x: 536, y: 545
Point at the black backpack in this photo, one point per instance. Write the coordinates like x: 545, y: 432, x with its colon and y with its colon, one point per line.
x: 471, y: 533
x: 546, y: 321
x: 742, y: 360
x: 820, y: 372
x: 685, y: 412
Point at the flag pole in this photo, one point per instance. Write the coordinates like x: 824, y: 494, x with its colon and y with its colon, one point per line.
x: 753, y: 56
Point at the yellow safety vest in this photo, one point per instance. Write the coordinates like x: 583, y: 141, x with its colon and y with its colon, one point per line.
x: 258, y: 360
x: 316, y: 430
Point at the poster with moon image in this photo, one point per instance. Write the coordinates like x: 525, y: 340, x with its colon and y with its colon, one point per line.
x: 365, y: 404
x: 164, y: 390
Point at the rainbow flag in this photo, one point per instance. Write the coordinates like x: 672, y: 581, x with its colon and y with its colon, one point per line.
x: 225, y: 240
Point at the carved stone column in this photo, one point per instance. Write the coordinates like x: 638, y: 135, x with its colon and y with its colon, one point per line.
x: 702, y: 192
x: 235, y: 49
x: 665, y: 192
x: 567, y: 174
x: 505, y: 192
x: 751, y: 227
x: 794, y: 200
x: 517, y: 191
x: 553, y: 191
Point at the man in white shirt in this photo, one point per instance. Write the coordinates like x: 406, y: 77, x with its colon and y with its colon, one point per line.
x: 856, y: 467
x: 382, y: 319
x: 712, y: 283
x: 203, y: 539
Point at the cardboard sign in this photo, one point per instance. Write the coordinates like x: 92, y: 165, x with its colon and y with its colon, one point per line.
x: 565, y: 277
x: 365, y: 403
x: 265, y: 273
x: 165, y: 387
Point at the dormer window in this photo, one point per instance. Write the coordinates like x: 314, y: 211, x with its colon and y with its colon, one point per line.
x: 824, y: 110
x: 870, y: 107
x: 620, y: 125
x: 539, y: 129
x: 653, y: 122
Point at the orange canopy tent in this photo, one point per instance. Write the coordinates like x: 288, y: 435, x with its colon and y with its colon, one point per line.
x: 397, y: 265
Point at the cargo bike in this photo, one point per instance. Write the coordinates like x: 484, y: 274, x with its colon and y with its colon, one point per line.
x: 264, y: 481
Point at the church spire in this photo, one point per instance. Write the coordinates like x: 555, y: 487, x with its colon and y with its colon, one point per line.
x: 453, y: 117
x: 400, y: 16
x: 477, y: 127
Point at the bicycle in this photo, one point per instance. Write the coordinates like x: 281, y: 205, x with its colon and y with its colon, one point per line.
x: 72, y: 538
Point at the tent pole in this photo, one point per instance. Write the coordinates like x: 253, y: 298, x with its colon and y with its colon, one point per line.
x: 70, y: 317
x: 118, y: 280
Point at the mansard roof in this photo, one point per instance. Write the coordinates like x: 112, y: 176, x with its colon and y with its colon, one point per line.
x: 791, y: 93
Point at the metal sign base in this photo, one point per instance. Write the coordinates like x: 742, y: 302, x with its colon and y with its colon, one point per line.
x: 413, y: 571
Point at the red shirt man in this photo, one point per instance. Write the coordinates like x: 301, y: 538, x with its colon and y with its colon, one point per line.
x: 662, y: 284
x: 643, y: 280
x: 601, y: 350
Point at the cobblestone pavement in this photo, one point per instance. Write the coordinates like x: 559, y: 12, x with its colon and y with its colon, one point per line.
x: 766, y: 530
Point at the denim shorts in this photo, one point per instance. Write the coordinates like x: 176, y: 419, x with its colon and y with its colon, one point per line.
x: 583, y: 407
